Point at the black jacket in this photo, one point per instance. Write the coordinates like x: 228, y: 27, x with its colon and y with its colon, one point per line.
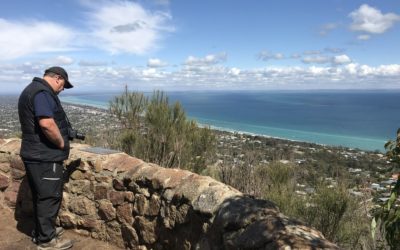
x: 35, y: 145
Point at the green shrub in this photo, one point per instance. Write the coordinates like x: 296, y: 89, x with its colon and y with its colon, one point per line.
x: 387, y: 217
x: 158, y: 132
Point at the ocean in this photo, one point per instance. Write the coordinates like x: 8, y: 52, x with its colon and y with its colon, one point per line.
x: 355, y: 119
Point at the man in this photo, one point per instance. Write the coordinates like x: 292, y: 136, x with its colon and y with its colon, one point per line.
x: 45, y: 145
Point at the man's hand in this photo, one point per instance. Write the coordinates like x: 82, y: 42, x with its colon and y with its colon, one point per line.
x: 50, y: 129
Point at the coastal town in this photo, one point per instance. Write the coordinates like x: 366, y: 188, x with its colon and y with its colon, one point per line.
x: 369, y: 172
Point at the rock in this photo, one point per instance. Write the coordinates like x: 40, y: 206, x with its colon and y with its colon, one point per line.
x: 104, y: 178
x: 81, y: 187
x: 168, y: 215
x: 121, y: 163
x: 146, y: 229
x: 124, y: 213
x: 4, y: 182
x: 12, y: 146
x: 116, y: 197
x: 298, y: 236
x: 97, y: 166
x: 106, y: 210
x: 5, y: 167
x: 135, y: 188
x: 67, y: 219
x: 17, y: 168
x: 168, y: 195
x: 130, y: 236
x: 212, y: 197
x: 114, y: 233
x: 130, y: 197
x: 101, y: 192
x: 10, y: 197
x: 4, y: 158
x: 255, y: 235
x: 90, y: 224
x: 84, y: 166
x: 82, y: 232
x: 101, y: 232
x: 65, y: 201
x: 238, y: 212
x: 17, y: 163
x: 182, y: 214
x: 141, y: 204
x: 170, y: 178
x: 77, y: 175
x: 154, y: 205
x: 192, y: 187
x: 118, y: 185
x: 17, y: 174
x: 142, y: 174
x: 11, y: 194
x: 82, y: 206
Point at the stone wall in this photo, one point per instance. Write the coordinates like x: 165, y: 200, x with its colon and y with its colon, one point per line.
x: 137, y: 205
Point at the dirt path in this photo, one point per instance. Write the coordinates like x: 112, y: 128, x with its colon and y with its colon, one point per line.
x: 13, y: 236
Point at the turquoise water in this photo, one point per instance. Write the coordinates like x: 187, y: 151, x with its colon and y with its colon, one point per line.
x: 364, y: 120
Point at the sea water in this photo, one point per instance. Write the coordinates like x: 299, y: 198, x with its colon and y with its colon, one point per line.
x: 355, y: 119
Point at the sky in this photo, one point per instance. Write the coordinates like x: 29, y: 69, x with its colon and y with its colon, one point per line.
x: 175, y: 45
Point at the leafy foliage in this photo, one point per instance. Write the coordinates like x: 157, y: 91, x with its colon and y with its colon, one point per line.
x: 388, y: 216
x: 341, y: 217
x: 328, y: 210
x: 128, y: 107
x: 158, y: 132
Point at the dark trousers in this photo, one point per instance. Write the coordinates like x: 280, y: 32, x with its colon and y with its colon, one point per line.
x: 46, y: 183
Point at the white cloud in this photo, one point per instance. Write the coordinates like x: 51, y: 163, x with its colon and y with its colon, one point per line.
x: 234, y: 71
x: 322, y: 59
x: 317, y: 70
x: 351, y: 68
x: 18, y: 39
x: 218, y: 77
x: 389, y: 70
x: 156, y: 63
x: 59, y: 60
x: 379, y: 71
x: 327, y: 28
x: 207, y: 60
x: 312, y: 52
x: 316, y: 59
x: 341, y: 59
x: 85, y: 63
x: 152, y: 72
x: 266, y: 55
x: 334, y: 50
x: 126, y: 27
x: 210, y: 77
x: 295, y: 56
x: 371, y: 20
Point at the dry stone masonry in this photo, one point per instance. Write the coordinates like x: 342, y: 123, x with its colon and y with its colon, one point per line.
x: 137, y: 205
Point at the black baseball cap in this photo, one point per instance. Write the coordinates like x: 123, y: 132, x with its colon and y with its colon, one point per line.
x: 60, y: 71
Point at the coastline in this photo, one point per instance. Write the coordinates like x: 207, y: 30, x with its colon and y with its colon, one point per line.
x: 315, y: 125
x: 230, y: 131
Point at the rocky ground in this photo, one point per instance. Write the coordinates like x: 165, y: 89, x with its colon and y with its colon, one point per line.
x: 15, y: 235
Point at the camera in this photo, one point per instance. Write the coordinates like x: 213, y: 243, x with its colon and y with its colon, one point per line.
x: 74, y: 134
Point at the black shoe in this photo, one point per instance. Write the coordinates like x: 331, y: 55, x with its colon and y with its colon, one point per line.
x: 59, y: 232
x: 55, y: 244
